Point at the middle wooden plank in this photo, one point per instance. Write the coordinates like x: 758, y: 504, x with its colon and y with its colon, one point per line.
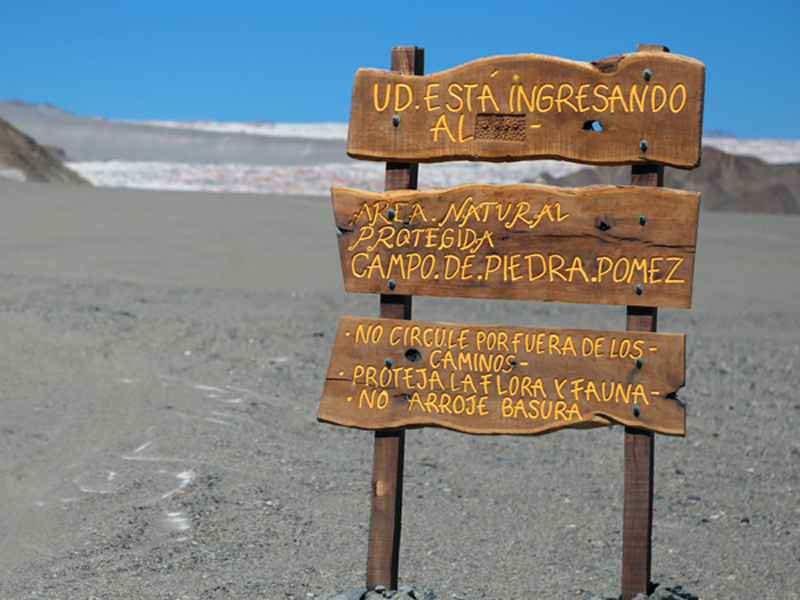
x: 598, y: 245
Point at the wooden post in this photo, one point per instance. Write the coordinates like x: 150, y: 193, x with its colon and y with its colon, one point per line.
x: 637, y: 526
x: 387, y: 468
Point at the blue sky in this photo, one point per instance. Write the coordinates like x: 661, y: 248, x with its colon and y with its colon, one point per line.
x: 294, y: 61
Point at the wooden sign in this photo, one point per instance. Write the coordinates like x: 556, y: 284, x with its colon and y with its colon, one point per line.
x: 479, y: 379
x: 601, y: 245
x: 626, y: 109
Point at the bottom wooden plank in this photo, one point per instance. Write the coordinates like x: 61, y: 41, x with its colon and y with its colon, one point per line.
x: 389, y: 374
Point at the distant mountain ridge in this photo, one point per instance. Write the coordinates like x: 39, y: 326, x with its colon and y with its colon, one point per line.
x: 727, y: 183
x: 36, y: 109
x: 98, y: 139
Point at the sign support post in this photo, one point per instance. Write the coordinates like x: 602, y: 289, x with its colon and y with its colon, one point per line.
x: 387, y: 468
x: 637, y: 528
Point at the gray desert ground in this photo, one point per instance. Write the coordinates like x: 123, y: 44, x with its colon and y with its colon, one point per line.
x: 161, y: 365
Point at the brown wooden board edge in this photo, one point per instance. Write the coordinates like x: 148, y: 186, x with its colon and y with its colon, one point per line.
x: 597, y: 419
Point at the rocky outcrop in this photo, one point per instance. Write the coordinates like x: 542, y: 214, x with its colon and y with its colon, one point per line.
x: 22, y: 159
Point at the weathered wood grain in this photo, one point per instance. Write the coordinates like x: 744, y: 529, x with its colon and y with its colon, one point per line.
x: 386, y: 509
x: 526, y: 242
x: 637, y: 525
x: 526, y: 106
x: 386, y: 498
x: 637, y: 516
x: 479, y: 379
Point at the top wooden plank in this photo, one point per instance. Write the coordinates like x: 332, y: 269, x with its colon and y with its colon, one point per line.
x: 643, y: 107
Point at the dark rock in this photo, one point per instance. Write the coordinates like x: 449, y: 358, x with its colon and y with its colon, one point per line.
x: 23, y: 159
x: 664, y: 592
x: 356, y: 594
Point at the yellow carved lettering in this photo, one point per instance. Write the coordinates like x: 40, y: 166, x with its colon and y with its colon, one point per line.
x: 580, y: 96
x: 486, y: 94
x: 403, y: 237
x: 573, y: 410
x: 467, y: 381
x: 522, y: 209
x: 577, y: 265
x: 634, y: 99
x: 375, y: 264
x: 417, y: 211
x: 653, y: 271
x: 430, y: 403
x: 441, y: 125
x: 461, y: 137
x: 364, y: 395
x: 577, y: 387
x: 560, y: 408
x: 469, y: 87
x: 364, y: 233
x: 549, y: 98
x: 598, y: 344
x: 616, y: 95
x: 639, y: 393
x: 521, y: 94
x: 378, y: 107
x: 627, y: 264
x: 565, y: 99
x: 429, y: 97
x: 507, y: 407
x: 353, y: 264
x: 415, y: 398
x: 370, y: 376
x: 489, y: 269
x: 554, y: 269
x: 396, y: 260
x: 595, y: 91
x: 660, y: 89
x: 529, y: 258
x: 677, y: 260
x: 435, y: 379
x: 384, y: 235
x: 397, y: 88
x: 450, y: 89
x: 520, y: 406
x: 534, y: 406
x: 591, y: 389
x: 640, y: 265
x: 682, y: 88
x: 622, y: 392
x: 552, y: 343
